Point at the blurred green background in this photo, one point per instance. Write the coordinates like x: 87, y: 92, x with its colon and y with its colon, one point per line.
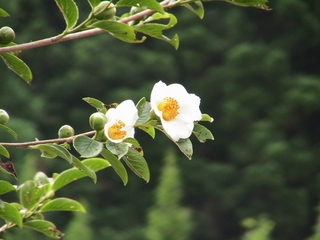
x: 258, y: 76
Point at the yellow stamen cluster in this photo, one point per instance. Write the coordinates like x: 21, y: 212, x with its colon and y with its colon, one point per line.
x: 115, y: 131
x: 169, y: 108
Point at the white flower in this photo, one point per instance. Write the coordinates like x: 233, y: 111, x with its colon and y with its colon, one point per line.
x: 176, y: 108
x: 120, y: 121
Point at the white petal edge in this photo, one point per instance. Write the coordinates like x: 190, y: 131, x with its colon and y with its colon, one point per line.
x: 177, y: 129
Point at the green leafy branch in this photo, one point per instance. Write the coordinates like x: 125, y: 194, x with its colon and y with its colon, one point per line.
x: 129, y: 150
x: 143, y: 17
x: 36, y: 197
x: 146, y: 17
x: 37, y: 142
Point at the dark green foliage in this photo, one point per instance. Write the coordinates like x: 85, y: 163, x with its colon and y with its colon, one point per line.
x: 316, y: 229
x: 79, y: 226
x: 258, y: 229
x: 167, y: 220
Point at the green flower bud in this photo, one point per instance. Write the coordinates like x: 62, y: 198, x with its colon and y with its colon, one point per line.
x: 135, y: 10
x: 4, y: 117
x: 23, y: 212
x: 105, y: 10
x: 41, y: 178
x: 65, y: 131
x: 97, y: 121
x: 7, y: 35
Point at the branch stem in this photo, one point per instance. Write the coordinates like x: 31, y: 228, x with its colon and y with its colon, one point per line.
x: 73, y: 36
x: 56, y: 140
x: 3, y: 228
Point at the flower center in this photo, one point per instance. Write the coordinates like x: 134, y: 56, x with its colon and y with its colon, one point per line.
x: 115, y: 132
x: 169, y: 108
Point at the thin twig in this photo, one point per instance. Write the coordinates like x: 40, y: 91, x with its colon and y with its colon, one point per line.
x: 3, y: 228
x: 57, y: 140
x: 73, y: 36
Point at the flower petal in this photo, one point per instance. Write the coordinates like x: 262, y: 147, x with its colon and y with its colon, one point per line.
x: 177, y: 129
x: 157, y: 95
x: 176, y: 90
x: 126, y: 114
x: 189, y: 110
x: 177, y: 109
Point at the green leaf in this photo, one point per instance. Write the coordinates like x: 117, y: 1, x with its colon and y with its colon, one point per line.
x: 149, y: 4
x: 96, y: 103
x: 45, y: 227
x: 9, y: 130
x: 116, y: 165
x: 62, y: 204
x: 11, y: 214
x: 149, y: 128
x: 54, y: 149
x: 118, y: 149
x: 202, y: 133
x: 143, y: 108
x: 17, y: 66
x: 87, y: 147
x: 37, y: 216
x: 135, y: 145
x: 83, y: 168
x: 69, y: 11
x: 185, y: 147
x: 73, y: 174
x: 30, y: 194
x: 155, y: 29
x: 261, y: 4
x: 4, y: 151
x: 196, y: 7
x: 45, y: 154
x: 3, y: 13
x: 152, y: 132
x: 137, y: 164
x: 17, y: 205
x: 94, y: 3
x: 6, y: 187
x: 206, y: 118
x: 119, y: 30
x: 140, y: 105
x: 133, y: 141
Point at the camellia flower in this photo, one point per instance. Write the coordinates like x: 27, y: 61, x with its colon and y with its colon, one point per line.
x: 120, y: 121
x: 176, y: 108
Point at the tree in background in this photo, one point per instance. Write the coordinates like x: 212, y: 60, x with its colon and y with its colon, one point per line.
x: 171, y: 110
x: 79, y: 227
x: 258, y: 229
x: 166, y: 218
x: 257, y: 73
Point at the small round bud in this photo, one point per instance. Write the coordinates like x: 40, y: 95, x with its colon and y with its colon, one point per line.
x: 23, y: 212
x: 7, y: 35
x: 65, y: 131
x: 135, y: 10
x: 4, y: 117
x: 97, y: 121
x: 41, y: 178
x: 105, y: 10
